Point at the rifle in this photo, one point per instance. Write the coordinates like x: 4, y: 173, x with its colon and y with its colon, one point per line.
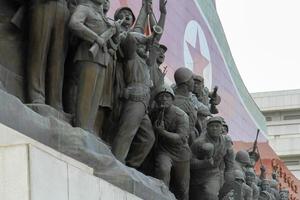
x: 255, y: 155
x: 214, y: 99
x: 93, y: 51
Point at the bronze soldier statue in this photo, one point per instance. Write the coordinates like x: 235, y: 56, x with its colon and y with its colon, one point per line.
x: 241, y: 190
x: 251, y: 181
x: 242, y: 161
x: 46, y: 51
x: 266, y: 192
x: 284, y: 194
x: 206, y: 173
x: 184, y: 86
x: 172, y: 155
x: 135, y: 136
x: 157, y: 51
x: 94, y: 61
x: 127, y: 16
x: 210, y: 99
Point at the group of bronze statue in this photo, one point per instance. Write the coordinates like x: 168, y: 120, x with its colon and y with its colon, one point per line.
x: 106, y: 73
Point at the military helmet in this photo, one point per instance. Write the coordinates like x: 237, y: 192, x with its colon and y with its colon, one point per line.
x: 214, y: 119
x: 124, y: 8
x: 242, y: 156
x: 239, y: 175
x: 198, y: 78
x: 182, y: 75
x: 164, y: 88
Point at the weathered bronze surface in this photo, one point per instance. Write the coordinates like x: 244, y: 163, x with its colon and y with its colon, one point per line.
x: 109, y: 83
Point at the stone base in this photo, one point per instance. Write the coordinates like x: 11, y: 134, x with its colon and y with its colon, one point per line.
x: 34, y: 172
x: 75, y: 143
x: 48, y: 111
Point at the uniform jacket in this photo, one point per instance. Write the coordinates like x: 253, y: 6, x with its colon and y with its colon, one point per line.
x: 223, y: 156
x: 175, y: 121
x: 88, y: 22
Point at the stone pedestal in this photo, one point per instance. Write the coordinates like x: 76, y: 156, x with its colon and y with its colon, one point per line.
x: 32, y: 171
x: 21, y: 125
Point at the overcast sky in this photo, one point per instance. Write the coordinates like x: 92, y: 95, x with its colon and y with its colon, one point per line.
x: 264, y: 37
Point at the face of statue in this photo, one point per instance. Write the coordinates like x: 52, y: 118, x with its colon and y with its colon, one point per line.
x: 198, y: 86
x: 250, y: 178
x: 265, y: 186
x: 214, y: 129
x: 164, y: 100
x: 127, y: 16
x: 161, y: 56
x: 106, y: 5
x: 190, y: 84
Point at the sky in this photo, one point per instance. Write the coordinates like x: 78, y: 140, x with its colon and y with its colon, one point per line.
x: 264, y: 38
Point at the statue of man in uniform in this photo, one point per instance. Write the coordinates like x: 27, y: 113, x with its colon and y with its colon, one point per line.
x: 206, y: 173
x: 172, y: 155
x: 186, y: 101
x: 135, y: 136
x: 95, y: 70
x: 46, y: 51
x: 241, y: 190
x: 250, y: 181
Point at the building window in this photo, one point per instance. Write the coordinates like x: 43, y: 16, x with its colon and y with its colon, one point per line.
x: 291, y: 162
x: 268, y: 119
x: 291, y: 117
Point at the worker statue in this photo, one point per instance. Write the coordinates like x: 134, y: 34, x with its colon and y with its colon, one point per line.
x: 251, y: 182
x: 205, y: 181
x: 46, y: 51
x: 94, y: 61
x: 135, y: 135
x: 172, y: 154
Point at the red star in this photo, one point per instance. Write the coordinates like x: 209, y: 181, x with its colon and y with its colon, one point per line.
x: 199, y: 61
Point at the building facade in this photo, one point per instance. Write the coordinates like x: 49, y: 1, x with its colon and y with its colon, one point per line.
x: 282, y: 113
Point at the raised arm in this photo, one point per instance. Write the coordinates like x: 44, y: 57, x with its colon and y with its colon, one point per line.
x: 142, y: 17
x: 162, y: 19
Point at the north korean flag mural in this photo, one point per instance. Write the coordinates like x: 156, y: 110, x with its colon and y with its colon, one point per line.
x: 195, y: 39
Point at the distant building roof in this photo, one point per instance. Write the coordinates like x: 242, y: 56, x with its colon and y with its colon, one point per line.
x: 277, y: 100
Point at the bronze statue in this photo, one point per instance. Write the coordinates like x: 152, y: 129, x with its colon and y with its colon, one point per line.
x: 284, y: 194
x: 127, y: 16
x: 242, y: 161
x: 241, y: 190
x: 157, y: 51
x: 210, y: 99
x: 206, y: 173
x: 46, y: 51
x: 94, y: 62
x: 266, y: 190
x: 172, y: 155
x: 135, y: 136
x: 251, y: 182
x: 184, y: 86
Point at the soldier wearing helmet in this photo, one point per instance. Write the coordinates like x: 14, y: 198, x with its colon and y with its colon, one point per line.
x: 206, y: 173
x: 172, y: 154
x: 251, y: 182
x: 242, y: 160
x: 266, y: 191
x: 135, y: 137
x: 241, y: 190
x: 184, y: 86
